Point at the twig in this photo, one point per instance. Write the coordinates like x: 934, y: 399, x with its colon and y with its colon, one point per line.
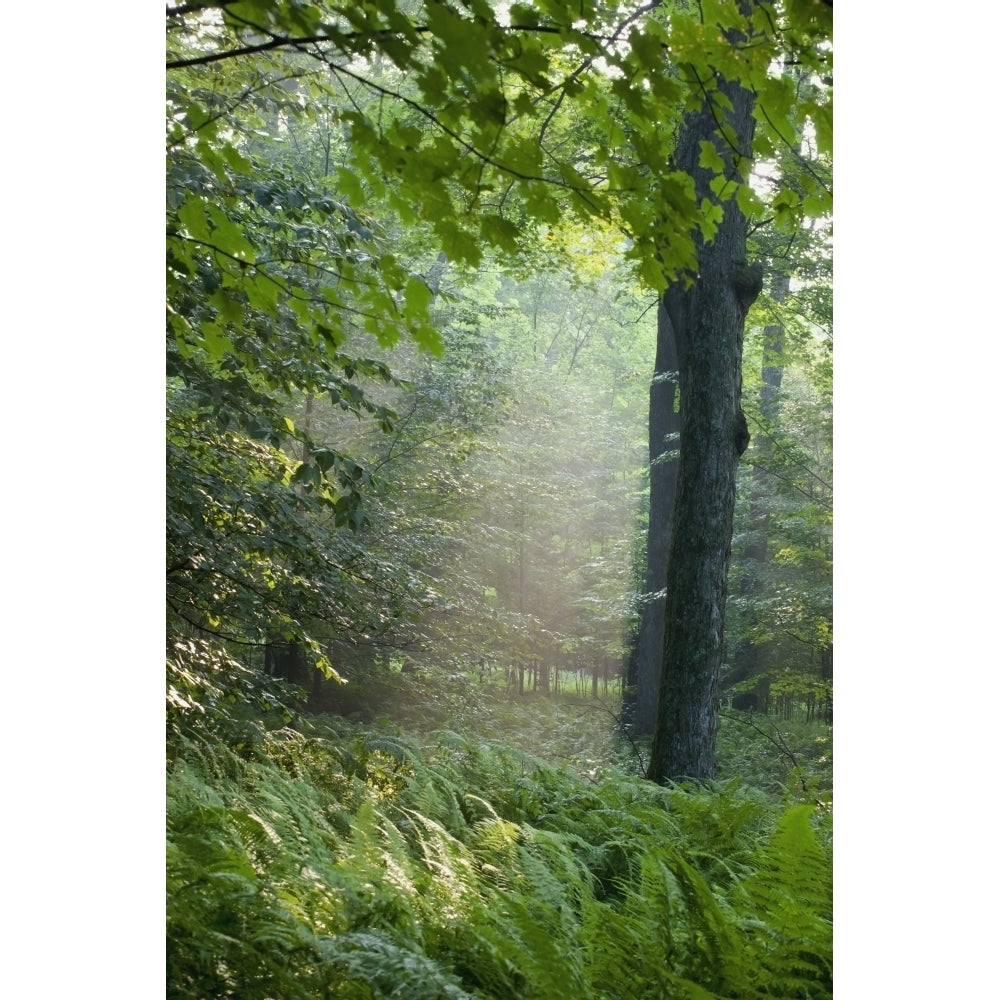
x: 779, y: 743
x: 624, y: 731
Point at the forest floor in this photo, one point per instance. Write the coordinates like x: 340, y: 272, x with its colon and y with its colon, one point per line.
x: 774, y: 755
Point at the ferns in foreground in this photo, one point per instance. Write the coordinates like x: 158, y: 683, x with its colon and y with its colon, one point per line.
x: 356, y: 865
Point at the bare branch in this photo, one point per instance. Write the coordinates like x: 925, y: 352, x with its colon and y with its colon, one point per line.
x: 779, y: 742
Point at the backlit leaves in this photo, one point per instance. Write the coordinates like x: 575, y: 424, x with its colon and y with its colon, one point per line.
x: 320, y: 155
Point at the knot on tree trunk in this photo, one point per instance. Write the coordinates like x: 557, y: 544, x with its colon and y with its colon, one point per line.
x: 747, y: 281
x: 742, y: 432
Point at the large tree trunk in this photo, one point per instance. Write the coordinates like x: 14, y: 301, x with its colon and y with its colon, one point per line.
x: 646, y: 656
x: 708, y: 319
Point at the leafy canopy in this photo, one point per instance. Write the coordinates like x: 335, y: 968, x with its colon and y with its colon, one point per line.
x: 448, y: 128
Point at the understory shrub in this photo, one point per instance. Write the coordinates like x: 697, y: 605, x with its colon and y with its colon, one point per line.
x: 351, y: 863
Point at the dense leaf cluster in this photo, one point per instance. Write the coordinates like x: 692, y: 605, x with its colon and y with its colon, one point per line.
x: 325, y: 162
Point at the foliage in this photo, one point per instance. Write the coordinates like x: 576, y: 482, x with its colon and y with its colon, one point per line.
x: 781, y: 575
x: 268, y: 274
x: 549, y: 523
x: 504, y: 488
x: 350, y: 863
x: 786, y: 757
x: 217, y: 694
x: 344, y: 181
x: 324, y: 161
x: 458, y: 115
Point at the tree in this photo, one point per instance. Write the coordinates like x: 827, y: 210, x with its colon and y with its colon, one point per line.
x: 707, y: 318
x: 779, y: 648
x: 461, y: 119
x: 269, y: 275
x: 780, y: 645
x: 549, y: 483
x: 646, y: 652
x: 707, y: 315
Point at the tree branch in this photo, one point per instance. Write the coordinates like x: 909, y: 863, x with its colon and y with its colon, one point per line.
x: 779, y: 744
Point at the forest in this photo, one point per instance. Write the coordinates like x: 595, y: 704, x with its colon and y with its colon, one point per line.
x: 499, y: 463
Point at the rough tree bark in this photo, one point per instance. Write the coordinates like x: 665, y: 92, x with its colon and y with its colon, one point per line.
x: 708, y: 319
x: 646, y: 655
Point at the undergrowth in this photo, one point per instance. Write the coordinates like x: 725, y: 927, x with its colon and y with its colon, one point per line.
x: 791, y: 760
x: 351, y: 862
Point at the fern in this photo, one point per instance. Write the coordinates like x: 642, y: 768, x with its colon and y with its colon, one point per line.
x: 350, y: 864
x: 370, y: 964
x: 785, y: 908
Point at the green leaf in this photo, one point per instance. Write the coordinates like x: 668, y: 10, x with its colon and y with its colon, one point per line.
x: 711, y: 215
x: 822, y: 119
x: 237, y: 161
x: 418, y: 297
x: 228, y: 237
x: 428, y: 338
x: 230, y: 308
x: 501, y: 232
x: 307, y: 474
x: 749, y: 202
x: 214, y: 340
x: 194, y: 215
x: 709, y: 157
x: 815, y: 206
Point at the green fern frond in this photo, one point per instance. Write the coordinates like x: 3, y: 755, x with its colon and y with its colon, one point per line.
x: 389, y: 746
x: 785, y: 908
x: 381, y: 967
x: 355, y: 866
